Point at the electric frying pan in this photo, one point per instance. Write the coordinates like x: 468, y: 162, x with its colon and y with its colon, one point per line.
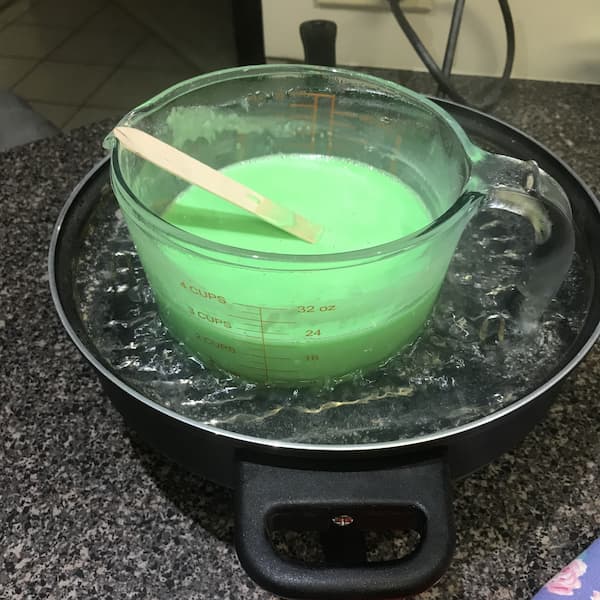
x: 338, y: 489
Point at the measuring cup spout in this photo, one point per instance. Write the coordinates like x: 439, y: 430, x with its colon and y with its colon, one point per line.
x: 110, y: 141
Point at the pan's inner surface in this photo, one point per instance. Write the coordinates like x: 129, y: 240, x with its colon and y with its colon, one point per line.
x: 471, y: 360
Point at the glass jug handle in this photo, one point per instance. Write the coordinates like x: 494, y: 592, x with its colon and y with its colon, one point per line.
x: 522, y: 188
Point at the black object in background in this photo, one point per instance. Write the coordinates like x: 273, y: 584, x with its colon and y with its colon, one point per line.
x: 248, y: 31
x: 318, y: 38
x: 442, y: 77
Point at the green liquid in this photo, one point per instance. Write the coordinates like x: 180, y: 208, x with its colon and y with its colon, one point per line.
x: 357, y: 205
x: 298, y: 322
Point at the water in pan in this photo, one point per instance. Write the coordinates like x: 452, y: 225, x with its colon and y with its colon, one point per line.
x: 470, y: 361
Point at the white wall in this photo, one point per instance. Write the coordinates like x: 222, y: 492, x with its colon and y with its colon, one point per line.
x: 556, y: 39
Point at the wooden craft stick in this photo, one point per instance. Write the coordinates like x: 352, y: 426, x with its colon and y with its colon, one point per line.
x: 197, y: 173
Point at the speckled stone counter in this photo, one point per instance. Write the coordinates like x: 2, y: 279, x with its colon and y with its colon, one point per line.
x: 88, y: 511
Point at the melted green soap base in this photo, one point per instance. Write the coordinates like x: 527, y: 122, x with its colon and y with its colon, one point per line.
x: 357, y: 205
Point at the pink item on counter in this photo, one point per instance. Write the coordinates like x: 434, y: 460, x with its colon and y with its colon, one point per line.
x: 579, y: 580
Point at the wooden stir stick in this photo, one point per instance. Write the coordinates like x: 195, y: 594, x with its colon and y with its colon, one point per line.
x: 197, y: 173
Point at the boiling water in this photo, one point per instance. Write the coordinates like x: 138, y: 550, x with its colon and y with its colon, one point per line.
x: 470, y: 361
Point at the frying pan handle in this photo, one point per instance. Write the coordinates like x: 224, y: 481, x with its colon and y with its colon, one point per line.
x: 414, y: 496
x: 522, y: 188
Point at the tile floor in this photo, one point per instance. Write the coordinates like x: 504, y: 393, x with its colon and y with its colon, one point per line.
x: 79, y: 61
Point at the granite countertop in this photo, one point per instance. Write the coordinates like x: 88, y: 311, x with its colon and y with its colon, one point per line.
x: 87, y: 510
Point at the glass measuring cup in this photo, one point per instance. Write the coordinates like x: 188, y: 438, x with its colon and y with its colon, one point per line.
x: 294, y: 318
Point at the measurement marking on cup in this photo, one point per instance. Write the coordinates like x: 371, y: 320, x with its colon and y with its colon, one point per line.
x: 256, y: 307
x: 275, y: 333
x: 271, y: 357
x: 257, y: 331
x: 331, y: 122
x: 272, y: 370
x: 261, y: 320
x: 313, y: 125
x: 254, y: 328
x: 276, y: 321
x: 241, y: 317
